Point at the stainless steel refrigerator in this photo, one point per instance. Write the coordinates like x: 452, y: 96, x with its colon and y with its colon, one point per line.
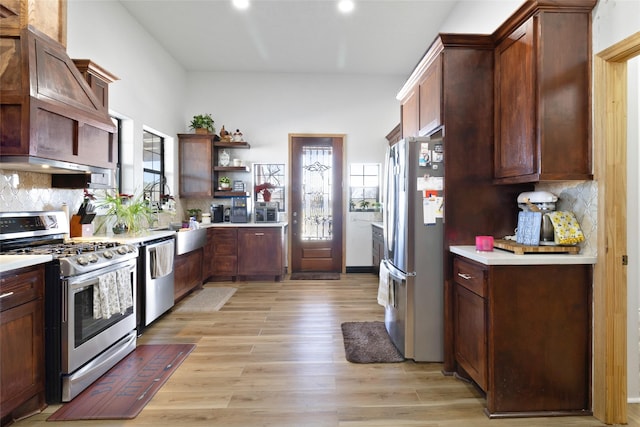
x: 413, y: 241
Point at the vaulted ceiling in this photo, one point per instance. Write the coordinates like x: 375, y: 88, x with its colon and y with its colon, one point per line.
x: 377, y: 37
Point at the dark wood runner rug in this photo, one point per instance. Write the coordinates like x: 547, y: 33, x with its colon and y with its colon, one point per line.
x: 369, y: 342
x: 315, y: 276
x: 125, y: 389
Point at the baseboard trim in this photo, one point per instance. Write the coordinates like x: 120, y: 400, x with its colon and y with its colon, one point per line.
x: 361, y: 269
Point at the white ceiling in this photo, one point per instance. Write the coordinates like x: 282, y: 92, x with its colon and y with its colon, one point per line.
x: 378, y: 37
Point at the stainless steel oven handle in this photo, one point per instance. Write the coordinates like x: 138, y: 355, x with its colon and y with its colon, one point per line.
x: 80, y: 280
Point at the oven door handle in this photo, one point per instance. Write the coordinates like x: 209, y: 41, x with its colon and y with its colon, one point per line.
x: 80, y: 280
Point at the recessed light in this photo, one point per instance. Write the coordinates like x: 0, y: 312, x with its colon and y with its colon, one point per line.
x: 346, y: 6
x: 241, y: 4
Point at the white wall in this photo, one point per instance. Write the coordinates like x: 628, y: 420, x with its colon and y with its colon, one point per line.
x: 268, y: 107
x: 150, y: 92
x: 613, y: 21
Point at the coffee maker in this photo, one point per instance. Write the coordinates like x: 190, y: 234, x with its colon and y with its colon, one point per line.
x: 217, y: 213
x: 544, y: 202
x: 238, y: 210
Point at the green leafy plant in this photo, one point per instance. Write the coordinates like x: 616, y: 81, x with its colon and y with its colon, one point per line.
x: 194, y: 212
x: 203, y: 121
x: 130, y: 212
x: 224, y: 180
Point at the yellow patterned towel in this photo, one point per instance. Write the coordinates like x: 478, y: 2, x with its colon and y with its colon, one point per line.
x: 566, y: 228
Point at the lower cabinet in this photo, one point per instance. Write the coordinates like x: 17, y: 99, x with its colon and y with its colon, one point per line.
x: 21, y: 343
x: 260, y: 252
x: 247, y: 251
x: 523, y: 335
x: 223, y: 259
x: 377, y: 248
x: 187, y: 271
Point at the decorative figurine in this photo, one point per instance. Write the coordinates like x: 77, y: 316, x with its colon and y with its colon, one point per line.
x: 237, y: 136
x: 225, y: 136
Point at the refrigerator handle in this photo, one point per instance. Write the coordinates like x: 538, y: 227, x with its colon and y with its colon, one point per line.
x: 395, y: 272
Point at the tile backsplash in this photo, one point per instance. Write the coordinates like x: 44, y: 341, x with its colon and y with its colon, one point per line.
x: 28, y: 191
x: 581, y: 198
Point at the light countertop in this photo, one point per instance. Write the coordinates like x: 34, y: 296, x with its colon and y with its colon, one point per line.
x: 502, y: 257
x: 12, y: 262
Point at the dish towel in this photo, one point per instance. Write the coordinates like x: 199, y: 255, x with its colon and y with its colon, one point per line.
x: 385, y: 293
x: 162, y: 260
x: 105, y: 296
x: 566, y: 228
x: 125, y: 291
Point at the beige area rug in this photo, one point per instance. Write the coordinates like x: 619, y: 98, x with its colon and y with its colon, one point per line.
x: 205, y: 301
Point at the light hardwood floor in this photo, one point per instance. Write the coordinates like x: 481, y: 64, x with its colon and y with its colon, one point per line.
x: 274, y: 356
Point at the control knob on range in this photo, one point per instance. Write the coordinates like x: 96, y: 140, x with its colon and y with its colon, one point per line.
x: 92, y: 258
x: 123, y: 249
x: 107, y: 254
x: 82, y: 260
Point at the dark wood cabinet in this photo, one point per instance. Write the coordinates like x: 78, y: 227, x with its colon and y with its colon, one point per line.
x: 409, y: 113
x: 377, y: 247
x: 523, y: 335
x: 187, y: 271
x: 470, y: 320
x: 224, y: 259
x: 395, y: 135
x: 429, y: 105
x: 199, y: 165
x: 542, y: 94
x: 22, y: 379
x: 195, y: 165
x: 260, y: 252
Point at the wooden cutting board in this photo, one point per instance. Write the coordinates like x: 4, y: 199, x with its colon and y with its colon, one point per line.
x: 520, y: 249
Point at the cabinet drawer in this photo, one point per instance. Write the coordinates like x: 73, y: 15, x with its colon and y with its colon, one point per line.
x: 225, y: 266
x: 376, y: 232
x: 20, y: 286
x: 470, y: 276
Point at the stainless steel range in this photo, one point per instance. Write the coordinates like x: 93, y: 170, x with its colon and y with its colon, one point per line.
x: 90, y: 299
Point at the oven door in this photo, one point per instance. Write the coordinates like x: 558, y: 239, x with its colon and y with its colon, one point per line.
x: 92, y: 321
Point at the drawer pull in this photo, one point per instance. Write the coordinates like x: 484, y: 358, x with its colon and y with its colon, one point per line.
x: 465, y: 276
x: 259, y: 234
x: 7, y: 294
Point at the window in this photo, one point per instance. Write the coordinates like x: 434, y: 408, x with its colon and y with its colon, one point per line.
x: 154, y: 179
x: 364, y: 187
x: 268, y: 178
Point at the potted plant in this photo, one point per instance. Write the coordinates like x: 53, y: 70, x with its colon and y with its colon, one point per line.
x: 264, y: 190
x: 130, y: 213
x: 202, y: 123
x: 225, y: 182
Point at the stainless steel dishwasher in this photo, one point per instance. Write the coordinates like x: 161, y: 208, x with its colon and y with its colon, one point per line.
x: 155, y: 280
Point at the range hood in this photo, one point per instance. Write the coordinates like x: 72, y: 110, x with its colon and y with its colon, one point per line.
x: 51, y: 120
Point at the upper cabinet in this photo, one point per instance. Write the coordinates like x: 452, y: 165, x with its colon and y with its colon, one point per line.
x: 421, y: 101
x: 200, y: 165
x: 542, y: 93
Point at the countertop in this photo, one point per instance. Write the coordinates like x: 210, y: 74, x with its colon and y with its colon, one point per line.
x: 377, y: 224
x: 502, y: 257
x: 12, y: 262
x: 246, y: 224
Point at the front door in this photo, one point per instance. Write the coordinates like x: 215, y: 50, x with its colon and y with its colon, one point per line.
x: 316, y: 203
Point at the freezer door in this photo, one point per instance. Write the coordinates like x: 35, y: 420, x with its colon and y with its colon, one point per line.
x: 399, y: 316
x: 395, y: 212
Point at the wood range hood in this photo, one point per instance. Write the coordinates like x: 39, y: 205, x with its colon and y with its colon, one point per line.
x: 52, y: 120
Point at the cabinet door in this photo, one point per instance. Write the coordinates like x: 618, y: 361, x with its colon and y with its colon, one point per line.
x: 409, y: 113
x: 225, y: 252
x: 187, y: 273
x: 208, y: 259
x: 21, y: 341
x: 430, y: 103
x: 260, y: 251
x: 195, y: 165
x: 515, y: 146
x: 470, y: 334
